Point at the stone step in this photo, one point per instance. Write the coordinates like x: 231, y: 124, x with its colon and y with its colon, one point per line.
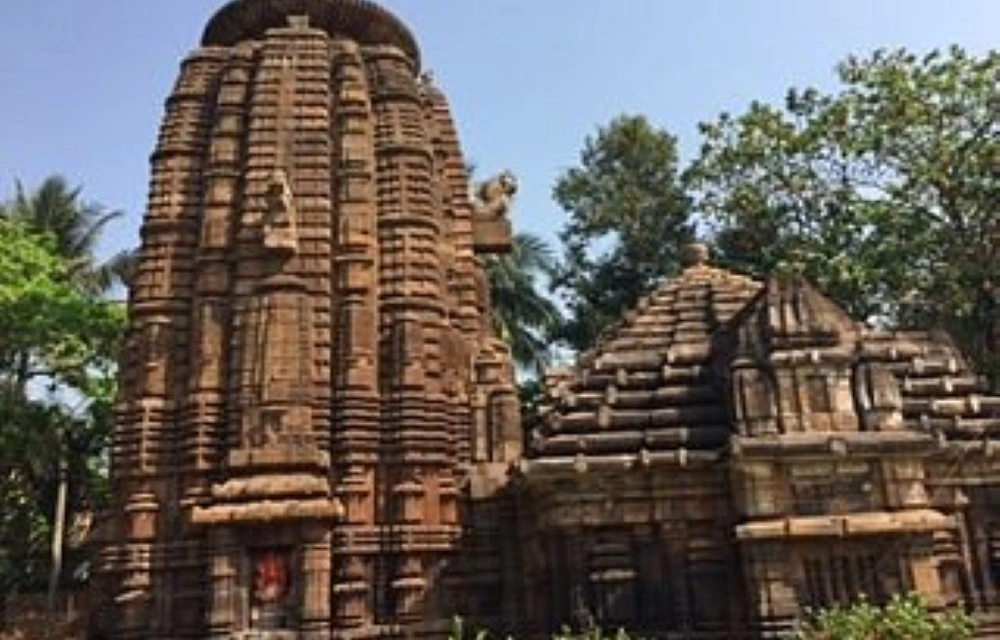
x: 987, y: 626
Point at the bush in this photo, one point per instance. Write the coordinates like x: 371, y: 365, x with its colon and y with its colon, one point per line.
x: 591, y: 632
x: 904, y: 618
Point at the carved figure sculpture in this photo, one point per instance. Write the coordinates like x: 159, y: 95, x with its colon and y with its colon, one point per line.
x: 495, y: 195
x: 271, y: 578
x: 280, y: 224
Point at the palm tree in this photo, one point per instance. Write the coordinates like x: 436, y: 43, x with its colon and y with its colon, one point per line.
x: 56, y: 209
x: 523, y: 317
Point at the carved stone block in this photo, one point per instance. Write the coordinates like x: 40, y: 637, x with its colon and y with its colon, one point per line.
x: 492, y: 235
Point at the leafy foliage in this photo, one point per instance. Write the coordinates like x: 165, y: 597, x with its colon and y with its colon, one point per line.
x: 628, y: 220
x: 56, y: 389
x: 461, y: 631
x: 532, y: 396
x: 593, y: 632
x: 522, y: 315
x: 885, y: 193
x: 51, y: 326
x: 57, y: 210
x: 904, y: 618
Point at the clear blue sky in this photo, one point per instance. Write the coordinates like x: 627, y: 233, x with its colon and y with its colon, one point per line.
x: 84, y: 80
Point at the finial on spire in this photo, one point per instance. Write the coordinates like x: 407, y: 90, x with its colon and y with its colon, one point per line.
x: 695, y: 254
x: 298, y: 21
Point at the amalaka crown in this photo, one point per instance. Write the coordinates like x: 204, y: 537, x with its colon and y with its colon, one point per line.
x: 360, y: 20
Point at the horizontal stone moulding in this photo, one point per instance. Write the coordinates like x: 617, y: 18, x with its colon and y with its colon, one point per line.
x: 268, y: 511
x: 856, y: 524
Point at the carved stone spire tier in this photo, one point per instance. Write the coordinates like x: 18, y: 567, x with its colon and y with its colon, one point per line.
x: 360, y: 21
x: 310, y: 364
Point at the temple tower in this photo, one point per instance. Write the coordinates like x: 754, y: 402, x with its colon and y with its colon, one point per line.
x: 311, y: 376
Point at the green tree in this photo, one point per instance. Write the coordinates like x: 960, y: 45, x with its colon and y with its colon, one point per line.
x: 903, y: 618
x: 522, y: 315
x: 56, y: 387
x: 628, y: 221
x: 884, y: 192
x: 71, y: 228
x: 58, y: 210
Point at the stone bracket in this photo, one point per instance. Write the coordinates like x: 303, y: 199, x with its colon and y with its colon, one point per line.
x: 492, y: 235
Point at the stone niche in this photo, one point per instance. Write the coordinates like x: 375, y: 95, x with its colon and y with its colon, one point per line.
x: 273, y: 588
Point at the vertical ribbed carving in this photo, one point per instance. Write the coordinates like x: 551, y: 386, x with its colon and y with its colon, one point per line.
x: 356, y: 401
x: 146, y: 456
x: 415, y: 446
x: 312, y: 156
x: 267, y: 289
x: 406, y: 230
x: 203, y: 430
x: 466, y: 326
x: 306, y: 317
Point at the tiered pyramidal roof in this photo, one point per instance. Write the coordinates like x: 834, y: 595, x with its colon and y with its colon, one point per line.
x: 665, y: 383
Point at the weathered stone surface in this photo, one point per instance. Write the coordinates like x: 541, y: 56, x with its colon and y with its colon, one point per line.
x: 311, y: 373
x: 737, y: 451
x: 319, y: 435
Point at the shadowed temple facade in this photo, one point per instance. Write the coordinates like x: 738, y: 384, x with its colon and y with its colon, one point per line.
x: 736, y: 452
x: 319, y: 432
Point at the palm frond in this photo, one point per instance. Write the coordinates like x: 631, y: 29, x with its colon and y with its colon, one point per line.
x: 57, y: 210
x: 522, y: 315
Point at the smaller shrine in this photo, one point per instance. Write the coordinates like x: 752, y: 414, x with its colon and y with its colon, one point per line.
x: 319, y: 433
x: 736, y: 452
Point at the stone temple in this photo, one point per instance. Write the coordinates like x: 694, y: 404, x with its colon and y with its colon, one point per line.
x: 319, y: 432
x: 736, y: 452
x: 311, y: 380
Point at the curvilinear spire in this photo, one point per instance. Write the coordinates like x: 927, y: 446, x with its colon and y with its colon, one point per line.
x: 310, y: 374
x: 317, y: 425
